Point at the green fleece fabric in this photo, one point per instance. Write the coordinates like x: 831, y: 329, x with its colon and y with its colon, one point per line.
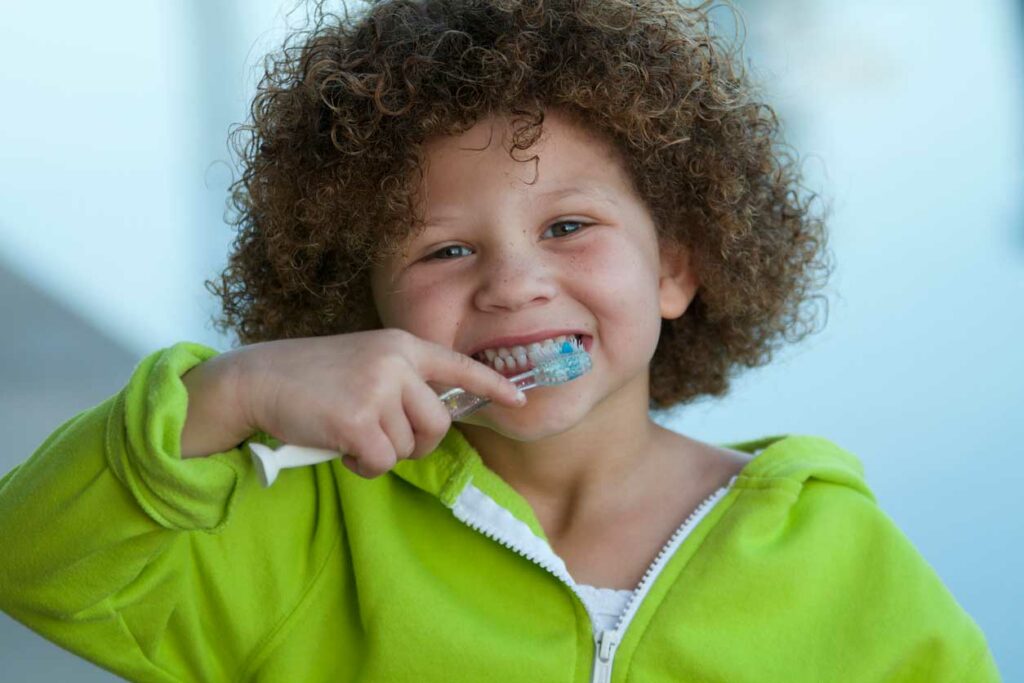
x: 162, y: 569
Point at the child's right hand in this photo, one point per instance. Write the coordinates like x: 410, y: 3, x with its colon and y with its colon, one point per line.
x: 364, y: 394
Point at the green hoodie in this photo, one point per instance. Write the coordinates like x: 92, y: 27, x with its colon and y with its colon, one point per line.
x: 162, y: 569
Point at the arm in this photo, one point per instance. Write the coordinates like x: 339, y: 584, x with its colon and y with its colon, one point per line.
x: 894, y: 614
x: 120, y: 551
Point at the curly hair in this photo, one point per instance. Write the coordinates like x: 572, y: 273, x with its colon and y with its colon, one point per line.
x: 333, y: 155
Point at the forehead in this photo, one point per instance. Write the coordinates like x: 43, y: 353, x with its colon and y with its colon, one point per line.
x: 570, y: 159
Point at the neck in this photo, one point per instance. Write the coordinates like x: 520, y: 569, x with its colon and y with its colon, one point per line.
x: 599, y: 462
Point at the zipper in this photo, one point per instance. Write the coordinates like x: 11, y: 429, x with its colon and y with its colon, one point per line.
x: 607, y: 642
x: 484, y: 515
x: 604, y: 651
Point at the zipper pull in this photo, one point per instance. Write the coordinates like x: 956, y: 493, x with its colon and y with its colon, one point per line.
x: 606, y: 645
x: 604, y: 651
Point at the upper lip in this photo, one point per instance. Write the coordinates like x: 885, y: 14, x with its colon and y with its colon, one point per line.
x: 520, y: 340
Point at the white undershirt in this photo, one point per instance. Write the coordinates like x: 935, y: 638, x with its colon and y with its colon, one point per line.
x: 604, y: 604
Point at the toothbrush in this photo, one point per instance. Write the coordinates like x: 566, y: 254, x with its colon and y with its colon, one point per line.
x: 567, y: 362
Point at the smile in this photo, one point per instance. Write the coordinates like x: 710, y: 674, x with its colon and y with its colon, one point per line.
x: 515, y: 359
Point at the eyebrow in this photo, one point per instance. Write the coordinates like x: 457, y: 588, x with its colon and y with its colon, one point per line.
x: 588, y: 190
x: 552, y: 195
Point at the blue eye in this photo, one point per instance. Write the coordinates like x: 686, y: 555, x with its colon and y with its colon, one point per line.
x: 453, y: 251
x: 447, y: 252
x: 580, y: 225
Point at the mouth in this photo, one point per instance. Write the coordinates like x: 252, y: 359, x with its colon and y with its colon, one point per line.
x: 516, y: 359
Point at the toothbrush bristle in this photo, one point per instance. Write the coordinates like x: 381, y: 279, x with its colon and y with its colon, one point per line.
x: 546, y: 353
x: 566, y: 366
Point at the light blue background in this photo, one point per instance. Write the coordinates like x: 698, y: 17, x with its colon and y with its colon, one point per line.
x: 909, y: 117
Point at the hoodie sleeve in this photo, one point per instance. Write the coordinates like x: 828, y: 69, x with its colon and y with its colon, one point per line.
x: 889, y: 611
x: 940, y: 641
x: 822, y: 585
x: 123, y: 553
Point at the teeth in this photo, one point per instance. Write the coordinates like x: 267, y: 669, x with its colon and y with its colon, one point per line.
x: 520, y: 357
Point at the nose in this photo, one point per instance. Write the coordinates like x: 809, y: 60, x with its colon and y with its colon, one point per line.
x: 513, y: 281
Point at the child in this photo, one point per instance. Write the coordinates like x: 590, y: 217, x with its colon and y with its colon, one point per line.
x: 395, y: 240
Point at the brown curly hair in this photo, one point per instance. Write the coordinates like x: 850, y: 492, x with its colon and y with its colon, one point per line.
x: 332, y: 158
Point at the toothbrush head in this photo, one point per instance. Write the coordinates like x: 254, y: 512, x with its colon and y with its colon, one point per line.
x: 569, y: 362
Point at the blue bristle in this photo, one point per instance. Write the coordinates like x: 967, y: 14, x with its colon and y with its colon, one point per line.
x: 563, y: 368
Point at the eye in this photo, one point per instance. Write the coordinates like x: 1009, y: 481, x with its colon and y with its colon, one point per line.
x: 449, y: 252
x: 557, y: 231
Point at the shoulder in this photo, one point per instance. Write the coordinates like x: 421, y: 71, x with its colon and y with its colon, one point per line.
x: 815, y: 505
x: 801, y: 527
x: 710, y: 465
x: 786, y: 458
x: 819, y: 536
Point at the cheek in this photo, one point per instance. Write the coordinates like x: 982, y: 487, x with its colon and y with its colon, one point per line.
x: 619, y: 282
x: 426, y: 309
x: 620, y: 276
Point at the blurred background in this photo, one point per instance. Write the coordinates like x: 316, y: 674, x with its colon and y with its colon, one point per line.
x: 114, y: 168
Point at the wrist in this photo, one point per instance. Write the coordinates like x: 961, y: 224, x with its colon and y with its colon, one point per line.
x: 216, y: 420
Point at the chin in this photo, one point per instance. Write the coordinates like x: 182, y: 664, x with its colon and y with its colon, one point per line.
x: 537, y: 420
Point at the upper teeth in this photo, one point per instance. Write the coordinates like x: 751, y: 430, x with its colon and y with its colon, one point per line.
x: 519, y: 357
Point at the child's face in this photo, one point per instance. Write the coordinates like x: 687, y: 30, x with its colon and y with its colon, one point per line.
x: 575, y: 252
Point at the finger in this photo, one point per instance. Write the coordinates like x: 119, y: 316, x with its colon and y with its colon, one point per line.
x: 373, y: 451
x: 427, y: 416
x: 395, y: 425
x: 451, y: 368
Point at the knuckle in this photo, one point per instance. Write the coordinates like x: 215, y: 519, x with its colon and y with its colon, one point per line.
x: 431, y: 435
x: 360, y: 419
x: 383, y: 370
x: 376, y: 455
x: 372, y: 467
x: 337, y: 435
x: 424, y: 445
x: 405, y: 448
x: 438, y: 422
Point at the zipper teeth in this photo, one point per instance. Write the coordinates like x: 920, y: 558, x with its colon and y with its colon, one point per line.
x: 655, y: 567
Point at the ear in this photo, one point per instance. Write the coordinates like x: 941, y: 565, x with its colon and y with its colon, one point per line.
x: 677, y: 282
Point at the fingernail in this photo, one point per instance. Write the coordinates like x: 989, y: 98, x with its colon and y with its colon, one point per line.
x: 520, y: 397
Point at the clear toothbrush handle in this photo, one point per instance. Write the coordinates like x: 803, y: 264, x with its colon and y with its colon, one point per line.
x: 461, y: 403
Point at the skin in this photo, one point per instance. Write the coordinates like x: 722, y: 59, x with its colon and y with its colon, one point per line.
x: 608, y: 485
